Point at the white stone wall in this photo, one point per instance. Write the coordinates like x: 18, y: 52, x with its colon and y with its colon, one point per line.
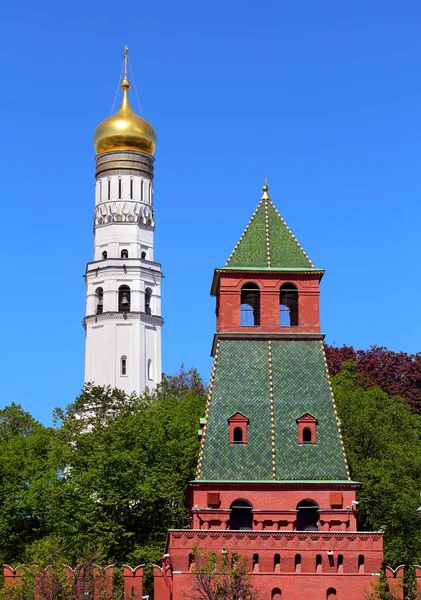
x: 123, y: 221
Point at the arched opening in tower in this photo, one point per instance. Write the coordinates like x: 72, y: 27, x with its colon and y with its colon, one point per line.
x: 250, y: 305
x: 307, y: 516
x: 241, y: 515
x: 288, y: 305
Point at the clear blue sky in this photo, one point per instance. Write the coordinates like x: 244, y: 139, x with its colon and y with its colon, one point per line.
x: 325, y: 95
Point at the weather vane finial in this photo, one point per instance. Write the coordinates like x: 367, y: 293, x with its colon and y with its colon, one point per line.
x: 265, y: 181
x: 126, y: 49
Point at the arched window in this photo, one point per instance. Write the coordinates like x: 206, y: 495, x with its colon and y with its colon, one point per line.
x: 241, y: 515
x: 104, y: 254
x: 124, y: 253
x: 109, y: 189
x: 307, y: 516
x: 238, y: 435
x: 276, y: 594
x: 150, y: 369
x: 191, y: 561
x: 143, y: 255
x: 119, y: 188
x: 307, y: 435
x: 100, y: 190
x: 250, y: 305
x: 288, y: 305
x: 331, y: 594
x: 123, y: 366
x: 148, y: 296
x: 124, y: 298
x: 99, y: 301
x: 361, y: 563
x: 298, y: 563
x: 131, y: 188
x: 255, y: 563
x: 277, y: 563
x: 319, y: 563
x: 150, y: 193
x: 340, y: 563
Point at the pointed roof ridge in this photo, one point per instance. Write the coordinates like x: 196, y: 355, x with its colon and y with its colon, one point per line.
x: 267, y: 241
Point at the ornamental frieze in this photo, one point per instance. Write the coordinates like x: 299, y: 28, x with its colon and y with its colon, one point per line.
x: 124, y: 212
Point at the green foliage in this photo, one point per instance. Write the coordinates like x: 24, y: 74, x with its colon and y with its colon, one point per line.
x: 109, y: 480
x: 383, y: 442
x: 26, y: 475
x: 221, y: 576
x: 380, y: 590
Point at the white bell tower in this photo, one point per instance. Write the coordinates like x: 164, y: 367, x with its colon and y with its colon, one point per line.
x: 123, y: 283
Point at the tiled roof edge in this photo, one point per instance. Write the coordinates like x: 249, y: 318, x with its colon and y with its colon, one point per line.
x: 335, y: 410
x: 292, y: 235
x: 244, y: 232
x: 208, y: 404
x: 279, y: 481
x: 249, y: 336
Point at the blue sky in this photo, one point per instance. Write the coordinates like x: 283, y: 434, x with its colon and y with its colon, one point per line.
x: 325, y: 96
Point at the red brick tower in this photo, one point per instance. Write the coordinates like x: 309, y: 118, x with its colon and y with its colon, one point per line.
x: 272, y: 480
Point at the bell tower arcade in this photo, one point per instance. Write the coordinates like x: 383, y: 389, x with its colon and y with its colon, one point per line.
x: 123, y: 283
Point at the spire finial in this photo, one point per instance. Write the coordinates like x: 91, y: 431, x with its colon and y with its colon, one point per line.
x: 265, y: 188
x: 125, y: 83
x: 126, y: 49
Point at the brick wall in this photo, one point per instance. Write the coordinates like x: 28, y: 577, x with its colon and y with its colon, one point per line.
x: 229, y: 290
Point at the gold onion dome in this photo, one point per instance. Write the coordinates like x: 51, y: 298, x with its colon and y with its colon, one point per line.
x: 125, y: 130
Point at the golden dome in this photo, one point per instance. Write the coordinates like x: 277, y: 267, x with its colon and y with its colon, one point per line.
x: 124, y: 130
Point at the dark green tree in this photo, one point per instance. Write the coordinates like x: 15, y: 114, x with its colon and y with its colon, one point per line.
x: 383, y: 443
x: 26, y: 475
x: 124, y: 464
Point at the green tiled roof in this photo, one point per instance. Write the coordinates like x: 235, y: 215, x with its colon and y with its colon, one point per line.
x: 282, y: 249
x: 241, y: 382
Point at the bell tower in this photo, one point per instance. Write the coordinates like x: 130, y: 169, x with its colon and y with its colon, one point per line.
x: 123, y: 283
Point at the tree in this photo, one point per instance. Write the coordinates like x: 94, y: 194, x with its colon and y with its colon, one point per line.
x: 383, y: 442
x: 123, y: 465
x: 26, y: 473
x: 397, y: 373
x: 381, y: 590
x: 109, y: 480
x: 221, y: 576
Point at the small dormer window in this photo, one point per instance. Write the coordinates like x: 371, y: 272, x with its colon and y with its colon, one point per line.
x: 238, y: 425
x: 307, y: 425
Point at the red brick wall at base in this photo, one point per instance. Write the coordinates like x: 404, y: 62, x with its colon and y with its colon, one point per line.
x: 293, y: 587
x: 103, y: 580
x: 349, y: 581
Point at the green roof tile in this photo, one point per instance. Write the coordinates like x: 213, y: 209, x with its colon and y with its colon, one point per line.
x: 300, y: 385
x: 283, y: 250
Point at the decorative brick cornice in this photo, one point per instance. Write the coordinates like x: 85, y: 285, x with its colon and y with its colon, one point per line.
x: 301, y: 536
